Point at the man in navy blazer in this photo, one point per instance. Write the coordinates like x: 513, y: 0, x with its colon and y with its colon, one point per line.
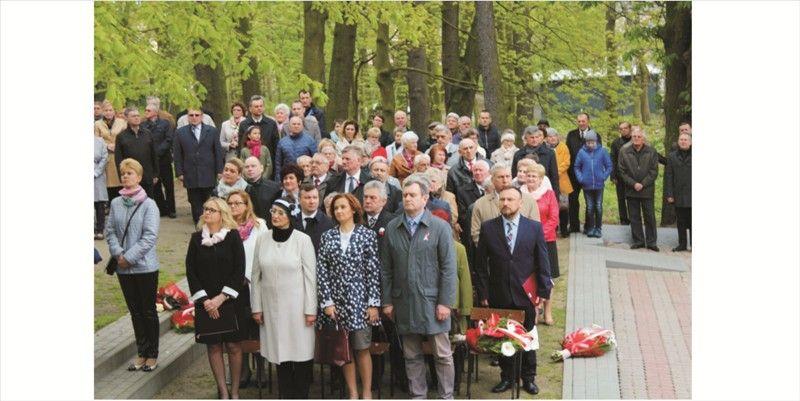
x: 312, y: 220
x: 199, y: 159
x: 511, y: 248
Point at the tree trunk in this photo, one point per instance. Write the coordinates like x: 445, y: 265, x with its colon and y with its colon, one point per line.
x: 644, y: 86
x: 251, y: 83
x: 355, y: 104
x: 340, y: 83
x: 464, y: 69
x: 677, y: 37
x: 524, y: 96
x: 435, y: 91
x: 490, y: 63
x: 213, y: 79
x: 418, y: 98
x: 612, y: 80
x: 383, y: 76
x: 313, y: 44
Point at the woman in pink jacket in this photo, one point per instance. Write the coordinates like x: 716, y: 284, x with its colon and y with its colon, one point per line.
x: 548, y: 212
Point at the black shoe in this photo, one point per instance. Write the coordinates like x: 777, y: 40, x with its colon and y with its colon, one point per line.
x: 637, y: 246
x: 243, y: 383
x: 653, y: 248
x: 172, y: 215
x: 530, y: 387
x: 495, y: 362
x: 679, y: 248
x: 503, y: 386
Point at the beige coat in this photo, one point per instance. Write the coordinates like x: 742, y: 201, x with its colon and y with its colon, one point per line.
x: 110, y: 138
x: 487, y: 207
x: 284, y: 289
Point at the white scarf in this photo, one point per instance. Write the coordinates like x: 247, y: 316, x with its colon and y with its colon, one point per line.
x: 211, y: 240
x: 543, y: 187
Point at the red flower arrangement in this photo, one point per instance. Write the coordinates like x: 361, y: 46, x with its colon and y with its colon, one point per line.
x: 586, y: 342
x: 502, y: 336
x: 171, y: 297
x: 183, y: 319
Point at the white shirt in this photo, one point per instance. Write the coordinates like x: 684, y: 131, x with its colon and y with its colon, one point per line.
x: 344, y: 239
x: 197, y: 130
x: 307, y: 216
x: 355, y: 181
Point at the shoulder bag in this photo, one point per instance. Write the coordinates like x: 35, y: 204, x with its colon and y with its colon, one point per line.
x: 111, y: 267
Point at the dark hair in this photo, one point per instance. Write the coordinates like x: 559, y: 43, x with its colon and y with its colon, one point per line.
x: 379, y: 115
x: 293, y: 168
x: 584, y: 114
x: 626, y: 123
x: 307, y: 187
x: 355, y: 206
x: 543, y: 121
x: 338, y: 121
x: 685, y: 122
x: 255, y: 98
x: 302, y: 91
x: 485, y: 111
x: 349, y: 122
x: 240, y: 105
x: 511, y: 187
x: 250, y: 129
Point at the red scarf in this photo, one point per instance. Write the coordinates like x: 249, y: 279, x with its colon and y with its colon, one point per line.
x: 245, y: 229
x: 255, y: 147
x: 409, y: 160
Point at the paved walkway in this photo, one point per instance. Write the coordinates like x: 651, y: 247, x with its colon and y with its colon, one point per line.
x: 645, y: 297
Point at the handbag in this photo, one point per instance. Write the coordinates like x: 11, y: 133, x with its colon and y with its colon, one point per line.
x: 332, y: 346
x: 206, y: 326
x: 111, y: 267
x: 380, y: 342
x: 563, y: 201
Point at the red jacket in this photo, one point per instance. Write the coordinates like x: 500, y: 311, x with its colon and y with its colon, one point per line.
x: 381, y: 151
x: 548, y: 213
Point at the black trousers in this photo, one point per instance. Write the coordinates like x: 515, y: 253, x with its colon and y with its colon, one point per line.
x: 99, y: 217
x: 529, y: 357
x: 637, y: 208
x: 563, y: 221
x: 294, y: 379
x: 164, y: 189
x: 139, y: 291
x: 147, y: 185
x: 622, y: 204
x: 198, y: 196
x: 574, y: 210
x: 684, y: 220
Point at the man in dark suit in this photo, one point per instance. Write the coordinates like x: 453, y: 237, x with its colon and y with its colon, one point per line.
x: 135, y: 142
x: 352, y: 176
x: 379, y: 170
x: 575, y: 142
x: 199, y: 159
x: 269, y: 128
x: 466, y: 195
x: 511, y: 249
x: 261, y: 190
x: 162, y: 133
x: 311, y: 220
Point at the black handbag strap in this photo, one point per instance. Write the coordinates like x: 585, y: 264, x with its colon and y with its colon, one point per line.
x: 125, y: 233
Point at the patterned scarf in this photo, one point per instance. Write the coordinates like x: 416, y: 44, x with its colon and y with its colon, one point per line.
x: 255, y: 147
x: 245, y: 229
x: 211, y: 240
x: 134, y: 196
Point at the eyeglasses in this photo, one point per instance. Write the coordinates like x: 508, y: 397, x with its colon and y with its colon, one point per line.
x: 277, y: 212
x: 240, y: 203
x: 194, y: 115
x: 209, y: 210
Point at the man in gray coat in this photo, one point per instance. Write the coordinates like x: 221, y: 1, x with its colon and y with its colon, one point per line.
x: 419, y: 286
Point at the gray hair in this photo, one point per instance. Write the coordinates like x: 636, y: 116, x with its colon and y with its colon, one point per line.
x: 409, y: 136
x: 255, y: 98
x: 299, y: 118
x: 282, y: 106
x: 419, y: 179
x: 481, y: 162
x: 640, y: 129
x: 357, y: 150
x: 464, y: 143
x: 378, y: 159
x: 465, y: 119
x: 436, y: 173
x: 130, y: 109
x: 154, y: 105
x: 303, y: 158
x: 441, y: 128
x: 498, y: 167
x: 422, y: 157
x: 381, y: 187
x: 530, y: 130
x: 154, y: 99
x: 451, y: 115
x: 551, y: 131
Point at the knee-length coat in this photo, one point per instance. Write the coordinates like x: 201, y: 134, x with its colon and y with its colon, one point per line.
x: 349, y: 280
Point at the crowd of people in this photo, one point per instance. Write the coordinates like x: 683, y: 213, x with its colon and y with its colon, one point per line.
x: 298, y: 228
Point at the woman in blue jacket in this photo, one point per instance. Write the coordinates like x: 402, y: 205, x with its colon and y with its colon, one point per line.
x: 592, y: 168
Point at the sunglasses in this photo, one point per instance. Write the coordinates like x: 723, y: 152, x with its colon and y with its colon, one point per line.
x: 195, y: 115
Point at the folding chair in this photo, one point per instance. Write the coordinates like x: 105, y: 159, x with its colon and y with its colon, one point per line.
x: 472, y: 362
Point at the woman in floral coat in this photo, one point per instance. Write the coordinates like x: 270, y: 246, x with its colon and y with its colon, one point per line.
x: 348, y: 282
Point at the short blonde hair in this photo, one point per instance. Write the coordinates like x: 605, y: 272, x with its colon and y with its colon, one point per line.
x: 537, y: 169
x: 374, y: 131
x: 131, y: 164
x: 325, y: 142
x: 525, y: 163
x: 224, y: 212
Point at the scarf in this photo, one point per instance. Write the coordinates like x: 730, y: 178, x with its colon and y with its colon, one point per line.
x: 224, y: 189
x: 255, y: 147
x: 409, y: 160
x: 543, y: 187
x: 131, y: 197
x: 211, y: 240
x: 245, y: 229
x: 282, y: 234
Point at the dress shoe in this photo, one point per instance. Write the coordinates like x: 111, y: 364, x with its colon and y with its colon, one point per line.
x: 653, y: 248
x: 530, y: 387
x: 172, y: 215
x: 637, y: 246
x: 138, y: 364
x: 503, y: 386
x: 150, y: 367
x: 679, y: 248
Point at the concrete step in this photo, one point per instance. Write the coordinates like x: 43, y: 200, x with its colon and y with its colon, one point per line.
x: 176, y: 353
x: 115, y: 345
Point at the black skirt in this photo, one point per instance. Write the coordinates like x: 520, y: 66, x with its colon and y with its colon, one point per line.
x: 552, y: 253
x: 243, y: 318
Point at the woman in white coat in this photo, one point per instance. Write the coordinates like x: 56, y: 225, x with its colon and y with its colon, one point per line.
x: 250, y: 229
x: 284, y: 301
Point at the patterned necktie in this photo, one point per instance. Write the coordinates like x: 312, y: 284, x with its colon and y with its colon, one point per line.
x: 509, y: 236
x: 412, y: 227
x: 351, y: 184
x: 371, y: 221
x: 316, y: 182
